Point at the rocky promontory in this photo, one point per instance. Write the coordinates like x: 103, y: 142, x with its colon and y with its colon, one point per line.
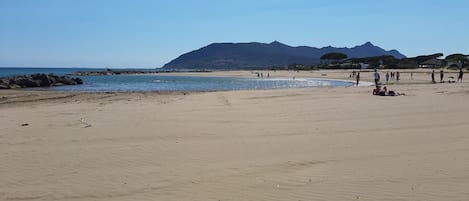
x: 37, y: 80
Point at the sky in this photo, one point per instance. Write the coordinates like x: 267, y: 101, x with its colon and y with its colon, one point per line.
x: 150, y: 33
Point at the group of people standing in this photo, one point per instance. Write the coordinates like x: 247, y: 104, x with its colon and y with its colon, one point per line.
x: 261, y: 75
x: 442, y: 76
x: 377, y: 76
x: 397, y: 76
x: 391, y: 75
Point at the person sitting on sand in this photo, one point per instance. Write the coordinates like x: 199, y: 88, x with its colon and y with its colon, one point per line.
x: 376, y: 90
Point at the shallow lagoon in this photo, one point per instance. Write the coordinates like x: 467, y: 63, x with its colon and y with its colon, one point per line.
x: 129, y: 83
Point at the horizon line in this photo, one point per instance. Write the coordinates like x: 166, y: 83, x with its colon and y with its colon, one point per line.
x: 78, y: 67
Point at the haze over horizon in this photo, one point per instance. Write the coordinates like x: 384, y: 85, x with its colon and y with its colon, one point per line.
x: 148, y: 34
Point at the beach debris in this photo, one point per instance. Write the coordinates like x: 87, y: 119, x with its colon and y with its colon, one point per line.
x: 25, y: 124
x: 87, y: 125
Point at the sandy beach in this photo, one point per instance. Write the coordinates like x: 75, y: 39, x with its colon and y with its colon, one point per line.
x: 287, y: 144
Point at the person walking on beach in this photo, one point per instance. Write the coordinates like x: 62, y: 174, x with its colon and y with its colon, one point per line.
x: 442, y: 75
x: 433, y: 76
x: 461, y: 73
x: 411, y: 75
x: 387, y: 77
x: 358, y: 77
x: 398, y: 75
x: 376, y: 76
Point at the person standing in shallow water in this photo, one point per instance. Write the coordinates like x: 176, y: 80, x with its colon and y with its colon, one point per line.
x: 358, y: 77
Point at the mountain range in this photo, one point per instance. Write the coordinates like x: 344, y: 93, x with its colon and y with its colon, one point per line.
x: 265, y: 55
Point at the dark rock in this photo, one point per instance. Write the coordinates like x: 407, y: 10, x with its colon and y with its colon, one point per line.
x: 78, y: 80
x: 43, y: 79
x: 4, y: 84
x: 37, y: 80
x: 53, y: 79
x: 67, y: 80
x: 4, y: 81
x: 25, y: 82
x: 14, y: 86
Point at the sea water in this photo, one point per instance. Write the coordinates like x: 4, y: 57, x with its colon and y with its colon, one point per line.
x: 156, y: 82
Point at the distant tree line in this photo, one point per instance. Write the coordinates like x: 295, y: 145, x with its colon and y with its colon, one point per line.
x: 337, y: 60
x: 336, y: 57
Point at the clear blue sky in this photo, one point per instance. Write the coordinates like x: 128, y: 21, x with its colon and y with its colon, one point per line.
x: 149, y: 33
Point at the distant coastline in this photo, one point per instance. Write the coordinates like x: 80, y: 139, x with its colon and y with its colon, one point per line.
x: 131, y: 72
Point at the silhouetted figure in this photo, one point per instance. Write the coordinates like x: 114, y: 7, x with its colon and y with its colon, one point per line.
x: 358, y: 78
x: 387, y: 77
x: 461, y: 73
x: 442, y: 75
x: 398, y: 76
x: 411, y: 75
x: 433, y: 76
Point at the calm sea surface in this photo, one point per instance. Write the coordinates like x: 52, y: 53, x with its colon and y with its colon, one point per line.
x: 125, y: 83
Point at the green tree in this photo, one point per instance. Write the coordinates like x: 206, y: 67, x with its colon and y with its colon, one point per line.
x: 335, y: 56
x: 460, y: 58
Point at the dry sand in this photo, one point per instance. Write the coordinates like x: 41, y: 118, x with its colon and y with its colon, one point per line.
x: 289, y: 144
